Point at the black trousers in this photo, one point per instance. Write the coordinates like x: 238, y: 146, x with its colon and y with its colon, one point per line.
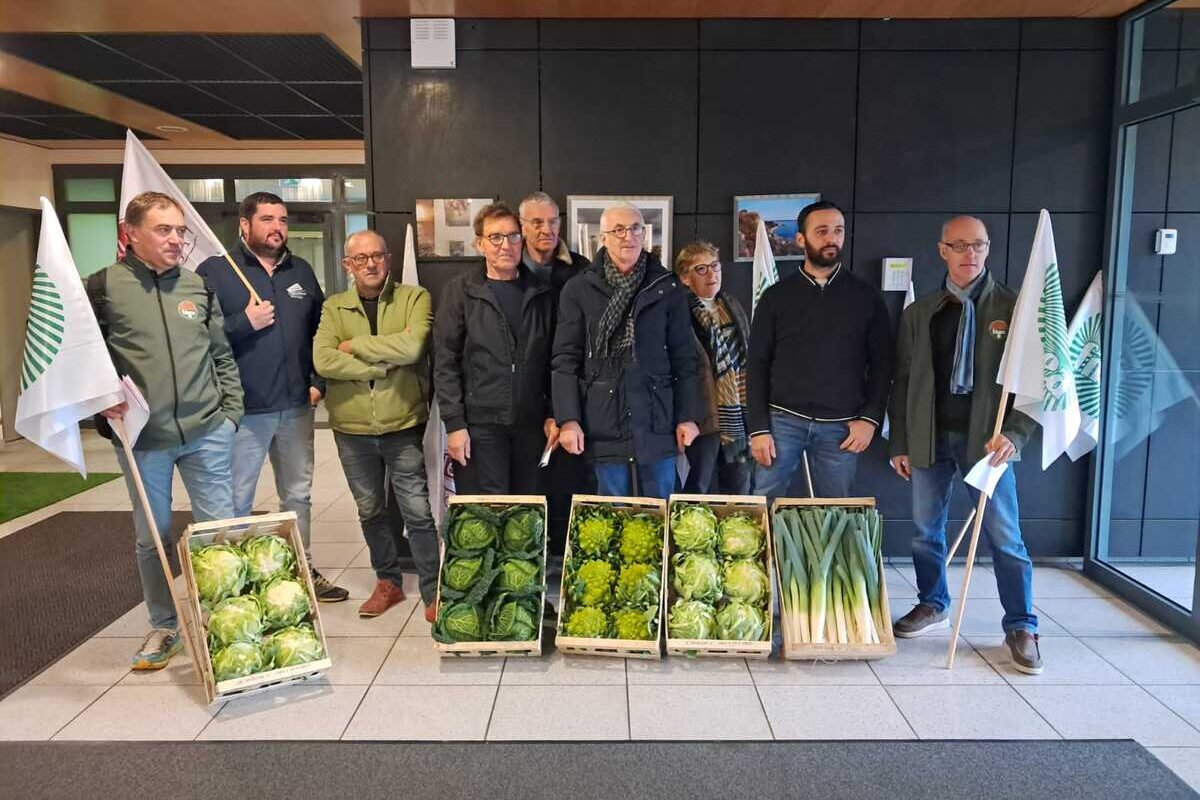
x: 504, y: 460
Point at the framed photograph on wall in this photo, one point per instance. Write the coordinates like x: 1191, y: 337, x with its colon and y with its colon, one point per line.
x: 444, y: 227
x: 583, y: 222
x: 779, y: 212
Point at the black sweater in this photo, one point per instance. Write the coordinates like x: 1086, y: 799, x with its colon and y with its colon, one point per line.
x: 820, y: 352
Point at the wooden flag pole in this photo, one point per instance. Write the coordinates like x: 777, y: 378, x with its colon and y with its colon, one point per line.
x: 958, y: 540
x: 118, y: 426
x: 245, y: 282
x: 979, y: 508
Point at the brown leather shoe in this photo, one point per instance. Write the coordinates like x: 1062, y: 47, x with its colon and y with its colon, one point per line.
x: 920, y: 621
x: 431, y: 614
x: 1026, y: 655
x: 386, y: 595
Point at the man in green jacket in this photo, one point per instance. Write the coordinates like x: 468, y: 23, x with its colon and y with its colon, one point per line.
x: 943, y: 410
x: 372, y: 347
x: 165, y: 331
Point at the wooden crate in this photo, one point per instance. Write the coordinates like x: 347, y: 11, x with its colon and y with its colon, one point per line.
x: 620, y: 648
x: 485, y: 649
x: 832, y: 651
x: 233, y: 531
x: 724, y: 505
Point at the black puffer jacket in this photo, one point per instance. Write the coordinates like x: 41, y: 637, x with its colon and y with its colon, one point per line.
x: 484, y: 372
x: 628, y: 407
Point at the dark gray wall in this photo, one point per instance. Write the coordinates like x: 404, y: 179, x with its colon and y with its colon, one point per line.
x: 901, y: 122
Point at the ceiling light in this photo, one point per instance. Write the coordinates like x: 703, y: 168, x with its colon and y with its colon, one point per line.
x: 170, y: 128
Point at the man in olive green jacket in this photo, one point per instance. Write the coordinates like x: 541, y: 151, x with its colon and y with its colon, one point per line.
x: 943, y: 411
x: 372, y: 347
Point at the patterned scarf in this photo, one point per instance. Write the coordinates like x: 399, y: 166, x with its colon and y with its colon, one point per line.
x: 962, y: 377
x: 727, y: 349
x: 612, y: 338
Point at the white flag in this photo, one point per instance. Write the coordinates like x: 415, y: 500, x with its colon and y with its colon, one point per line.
x: 910, y: 297
x: 142, y: 173
x: 765, y: 274
x: 67, y: 374
x: 1036, y: 365
x: 1084, y: 339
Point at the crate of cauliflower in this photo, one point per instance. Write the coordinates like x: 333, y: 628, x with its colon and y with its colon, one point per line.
x: 614, y: 568
x: 251, y: 612
x: 719, y: 598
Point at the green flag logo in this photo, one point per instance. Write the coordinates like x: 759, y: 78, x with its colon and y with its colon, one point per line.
x: 1053, y: 330
x: 1086, y: 355
x: 44, y: 330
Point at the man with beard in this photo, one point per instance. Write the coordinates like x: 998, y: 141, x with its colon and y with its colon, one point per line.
x: 271, y: 338
x: 820, y: 365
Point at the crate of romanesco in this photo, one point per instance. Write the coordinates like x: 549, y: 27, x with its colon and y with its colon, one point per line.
x: 718, y: 599
x: 828, y: 554
x: 614, y: 567
x: 492, y: 580
x: 251, y: 612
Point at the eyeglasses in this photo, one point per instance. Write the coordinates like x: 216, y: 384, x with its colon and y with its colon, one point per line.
x: 962, y: 247
x: 497, y: 239
x: 704, y: 269
x: 361, y: 259
x: 622, y: 232
x: 537, y: 224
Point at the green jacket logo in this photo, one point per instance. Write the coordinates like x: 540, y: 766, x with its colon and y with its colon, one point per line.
x: 1053, y: 331
x: 43, y: 330
x: 1086, y: 353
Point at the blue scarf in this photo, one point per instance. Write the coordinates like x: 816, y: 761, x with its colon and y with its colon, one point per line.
x: 962, y: 377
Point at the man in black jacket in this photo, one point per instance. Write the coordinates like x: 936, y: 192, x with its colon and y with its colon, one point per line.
x: 272, y: 342
x: 545, y: 253
x: 820, y: 365
x: 492, y: 338
x: 626, y: 374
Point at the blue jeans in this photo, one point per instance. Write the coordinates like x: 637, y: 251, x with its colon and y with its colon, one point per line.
x: 287, y: 438
x: 368, y: 462
x: 832, y: 468
x: 204, y: 465
x: 1001, y: 524
x: 655, y: 478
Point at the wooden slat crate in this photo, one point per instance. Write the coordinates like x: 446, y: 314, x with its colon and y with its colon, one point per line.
x: 723, y: 506
x: 833, y: 651
x: 232, y: 531
x: 620, y: 648
x: 485, y: 649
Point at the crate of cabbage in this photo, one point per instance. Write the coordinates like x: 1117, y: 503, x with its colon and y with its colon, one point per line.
x: 719, y: 600
x: 492, y: 581
x: 831, y: 579
x: 614, y: 568
x: 251, y: 612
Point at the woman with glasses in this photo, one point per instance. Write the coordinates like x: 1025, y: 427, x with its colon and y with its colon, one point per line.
x: 719, y: 460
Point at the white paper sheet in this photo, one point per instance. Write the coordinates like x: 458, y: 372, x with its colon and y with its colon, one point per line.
x: 984, y: 477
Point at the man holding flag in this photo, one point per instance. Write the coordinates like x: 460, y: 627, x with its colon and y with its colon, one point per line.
x: 944, y: 402
x: 164, y: 330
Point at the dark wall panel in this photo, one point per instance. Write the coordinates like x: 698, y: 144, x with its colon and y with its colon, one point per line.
x: 641, y: 35
x: 1078, y: 239
x: 1185, y: 162
x: 942, y: 34
x: 1068, y: 34
x: 779, y: 34
x: 1181, y: 294
x: 1152, y: 166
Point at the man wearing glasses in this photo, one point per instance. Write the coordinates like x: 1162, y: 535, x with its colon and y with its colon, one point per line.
x: 943, y: 410
x: 545, y: 254
x: 626, y: 381
x: 372, y: 349
x: 271, y: 337
x: 492, y: 342
x: 164, y: 330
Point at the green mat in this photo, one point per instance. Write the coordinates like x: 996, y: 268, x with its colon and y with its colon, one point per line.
x: 22, y: 492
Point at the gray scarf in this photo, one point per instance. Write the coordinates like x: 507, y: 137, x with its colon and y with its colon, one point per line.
x: 962, y: 377
x: 609, y: 340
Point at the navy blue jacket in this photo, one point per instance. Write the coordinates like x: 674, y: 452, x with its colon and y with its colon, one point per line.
x: 275, y: 362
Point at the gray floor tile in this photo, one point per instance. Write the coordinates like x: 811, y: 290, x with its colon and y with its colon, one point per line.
x: 335, y: 555
x: 1067, y: 661
x: 573, y: 713
x: 1064, y: 582
x: 696, y: 712
x: 413, y: 661
x: 429, y: 713
x: 1150, y: 660
x: 683, y: 670
x: 847, y: 712
x: 96, y: 662
x: 1100, y: 616
x: 1110, y: 712
x: 922, y: 662
x: 555, y: 669
x: 356, y: 659
x: 302, y: 711
x: 969, y: 712
x: 143, y: 713
x: 38, y: 712
x: 1183, y: 761
x: 1184, y: 700
x: 777, y: 672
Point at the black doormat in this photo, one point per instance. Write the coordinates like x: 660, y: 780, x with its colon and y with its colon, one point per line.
x: 61, y: 581
x: 1062, y: 770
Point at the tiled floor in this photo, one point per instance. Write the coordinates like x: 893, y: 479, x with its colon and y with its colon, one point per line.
x: 1111, y: 672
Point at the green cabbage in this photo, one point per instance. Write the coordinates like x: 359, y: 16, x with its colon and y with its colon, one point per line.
x: 639, y: 585
x: 235, y: 619
x: 641, y: 539
x: 587, y: 622
x: 693, y: 528
x: 593, y: 583
x: 741, y: 622
x: 461, y: 573
x: 746, y: 580
x: 522, y: 531
x: 691, y: 619
x: 284, y: 603
x: 513, y: 619
x: 741, y: 537
x: 595, y: 530
x: 472, y: 530
x: 298, y: 644
x: 238, y: 660
x: 268, y: 557
x: 517, y: 575
x: 635, y: 623
x: 697, y: 577
x: 459, y: 622
x: 220, y: 571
